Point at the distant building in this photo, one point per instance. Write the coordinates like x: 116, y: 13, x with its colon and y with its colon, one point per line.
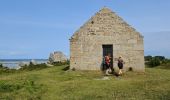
x: 106, y: 33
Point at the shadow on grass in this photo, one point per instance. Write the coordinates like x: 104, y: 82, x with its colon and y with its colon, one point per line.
x: 66, y: 68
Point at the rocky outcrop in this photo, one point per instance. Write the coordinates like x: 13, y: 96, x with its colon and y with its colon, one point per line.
x: 57, y: 56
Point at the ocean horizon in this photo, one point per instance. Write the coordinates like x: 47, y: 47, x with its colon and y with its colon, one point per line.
x: 15, y: 63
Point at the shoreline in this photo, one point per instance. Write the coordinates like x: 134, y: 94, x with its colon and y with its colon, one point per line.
x: 15, y: 63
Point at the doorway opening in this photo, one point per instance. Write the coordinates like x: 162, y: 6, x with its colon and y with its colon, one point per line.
x: 108, y: 49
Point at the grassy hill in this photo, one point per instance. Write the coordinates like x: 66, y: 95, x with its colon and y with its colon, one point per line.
x: 56, y: 84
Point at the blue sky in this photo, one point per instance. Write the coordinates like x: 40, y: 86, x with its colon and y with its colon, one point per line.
x: 34, y: 28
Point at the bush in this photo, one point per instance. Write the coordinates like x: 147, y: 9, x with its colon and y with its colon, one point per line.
x: 6, y: 87
x: 32, y: 66
x: 154, y: 62
x: 29, y: 67
x: 6, y: 69
x: 165, y: 61
x: 61, y: 63
x: 1, y: 66
x: 148, y: 58
x: 161, y: 58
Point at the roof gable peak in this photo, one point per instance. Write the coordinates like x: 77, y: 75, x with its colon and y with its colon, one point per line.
x: 105, y: 10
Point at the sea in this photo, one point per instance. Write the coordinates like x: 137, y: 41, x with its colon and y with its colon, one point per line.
x: 16, y: 63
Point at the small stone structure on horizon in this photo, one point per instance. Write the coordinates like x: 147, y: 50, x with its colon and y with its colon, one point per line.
x: 106, y: 33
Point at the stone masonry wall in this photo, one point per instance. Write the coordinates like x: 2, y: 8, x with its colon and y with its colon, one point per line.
x: 106, y: 28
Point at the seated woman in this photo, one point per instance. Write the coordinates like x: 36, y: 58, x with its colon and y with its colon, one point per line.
x: 108, y: 64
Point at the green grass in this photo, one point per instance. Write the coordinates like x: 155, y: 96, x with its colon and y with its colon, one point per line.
x: 164, y: 66
x: 56, y: 84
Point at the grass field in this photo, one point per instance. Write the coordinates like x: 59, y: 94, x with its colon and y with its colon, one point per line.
x: 56, y: 84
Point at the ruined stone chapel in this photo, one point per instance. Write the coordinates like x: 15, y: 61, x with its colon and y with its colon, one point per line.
x: 106, y: 33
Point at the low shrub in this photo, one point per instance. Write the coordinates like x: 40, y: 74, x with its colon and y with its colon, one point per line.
x: 154, y: 62
x: 32, y: 66
x: 59, y: 63
x: 6, y: 69
x: 7, y: 87
x: 1, y: 66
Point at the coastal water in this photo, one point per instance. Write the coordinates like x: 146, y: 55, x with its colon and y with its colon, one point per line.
x: 15, y: 63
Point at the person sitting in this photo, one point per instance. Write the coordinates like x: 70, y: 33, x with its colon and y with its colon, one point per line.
x: 108, y: 64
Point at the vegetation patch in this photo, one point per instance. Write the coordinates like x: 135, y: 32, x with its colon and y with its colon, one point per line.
x: 32, y: 66
x: 157, y: 61
x: 59, y: 63
x: 29, y: 67
x: 9, y: 87
x: 54, y: 83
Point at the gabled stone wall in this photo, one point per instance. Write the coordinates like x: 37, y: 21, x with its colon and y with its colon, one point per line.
x: 106, y: 28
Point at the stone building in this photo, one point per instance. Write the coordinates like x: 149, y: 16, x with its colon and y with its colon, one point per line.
x: 106, y: 33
